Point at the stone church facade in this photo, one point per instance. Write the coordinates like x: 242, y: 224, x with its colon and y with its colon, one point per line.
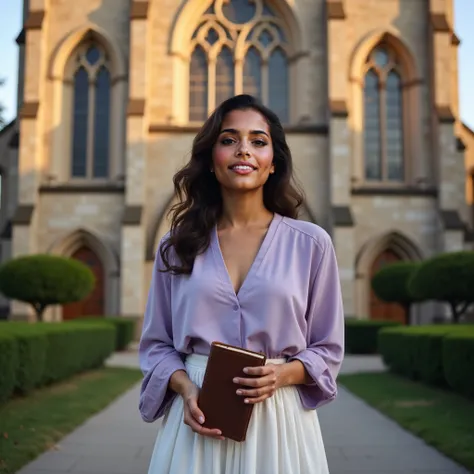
x: 112, y: 92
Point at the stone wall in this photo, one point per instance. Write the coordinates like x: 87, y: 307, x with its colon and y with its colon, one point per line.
x: 414, y: 217
x: 61, y: 215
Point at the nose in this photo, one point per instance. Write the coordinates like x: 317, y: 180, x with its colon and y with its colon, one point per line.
x: 242, y: 149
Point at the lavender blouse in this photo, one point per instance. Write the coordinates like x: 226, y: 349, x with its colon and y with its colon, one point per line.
x: 289, y: 305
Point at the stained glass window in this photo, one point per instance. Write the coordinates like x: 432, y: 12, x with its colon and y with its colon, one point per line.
x: 198, y: 87
x: 373, y: 165
x: 383, y: 118
x: 91, y: 105
x: 80, y: 123
x: 239, y: 11
x: 394, y: 127
x: 278, y: 84
x: 224, y: 76
x: 253, y: 73
x: 101, y: 124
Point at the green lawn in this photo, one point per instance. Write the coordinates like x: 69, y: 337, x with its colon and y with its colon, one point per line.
x: 441, y: 418
x: 32, y: 424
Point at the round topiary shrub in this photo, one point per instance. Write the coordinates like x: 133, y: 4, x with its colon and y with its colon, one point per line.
x: 447, y: 277
x: 43, y: 280
x: 390, y: 284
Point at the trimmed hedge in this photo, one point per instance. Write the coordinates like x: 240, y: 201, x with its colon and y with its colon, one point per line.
x: 32, y: 345
x: 125, y: 328
x: 431, y: 354
x: 82, y: 347
x: 361, y: 335
x: 458, y: 362
x: 398, y: 349
x: 45, y: 353
x: 8, y: 365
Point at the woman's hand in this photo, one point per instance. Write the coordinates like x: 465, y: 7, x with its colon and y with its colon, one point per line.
x: 193, y: 416
x: 266, y: 380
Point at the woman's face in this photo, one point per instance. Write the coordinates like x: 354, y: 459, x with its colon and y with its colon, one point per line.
x: 243, y: 153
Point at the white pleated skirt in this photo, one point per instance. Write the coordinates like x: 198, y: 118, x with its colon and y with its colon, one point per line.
x: 282, y: 438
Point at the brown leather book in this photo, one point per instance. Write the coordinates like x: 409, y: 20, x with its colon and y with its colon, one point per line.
x: 222, y: 407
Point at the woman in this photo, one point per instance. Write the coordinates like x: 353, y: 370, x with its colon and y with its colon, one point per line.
x: 237, y: 267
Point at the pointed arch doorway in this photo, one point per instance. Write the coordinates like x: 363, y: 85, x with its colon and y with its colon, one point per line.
x: 377, y: 251
x: 94, y: 304
x: 378, y: 309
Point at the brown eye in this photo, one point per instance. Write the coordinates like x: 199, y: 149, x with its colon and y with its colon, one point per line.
x: 260, y: 142
x: 227, y: 141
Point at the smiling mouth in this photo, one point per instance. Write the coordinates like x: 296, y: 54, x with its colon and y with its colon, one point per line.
x: 242, y: 168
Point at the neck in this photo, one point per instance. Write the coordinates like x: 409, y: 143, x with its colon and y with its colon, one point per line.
x: 243, y: 209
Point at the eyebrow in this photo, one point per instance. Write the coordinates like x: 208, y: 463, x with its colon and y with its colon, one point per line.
x: 252, y: 132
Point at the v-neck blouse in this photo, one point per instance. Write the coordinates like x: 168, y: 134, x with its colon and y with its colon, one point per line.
x: 220, y: 263
x: 289, y: 305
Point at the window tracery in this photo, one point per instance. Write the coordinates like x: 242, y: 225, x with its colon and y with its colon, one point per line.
x: 239, y: 46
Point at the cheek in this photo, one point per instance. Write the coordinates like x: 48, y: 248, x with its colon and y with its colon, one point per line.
x: 220, y: 156
x: 265, y: 159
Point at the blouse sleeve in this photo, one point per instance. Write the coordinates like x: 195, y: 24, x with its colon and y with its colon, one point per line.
x: 157, y: 355
x: 325, y: 333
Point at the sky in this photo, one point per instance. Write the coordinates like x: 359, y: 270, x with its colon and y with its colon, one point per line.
x: 10, y: 26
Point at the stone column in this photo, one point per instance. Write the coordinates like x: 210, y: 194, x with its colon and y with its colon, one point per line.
x: 30, y: 153
x: 450, y: 165
x: 133, y: 233
x: 343, y: 226
x: 340, y: 157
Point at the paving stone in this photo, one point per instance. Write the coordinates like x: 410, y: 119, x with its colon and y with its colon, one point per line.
x: 100, y: 449
x: 54, y: 462
x: 111, y: 465
x: 73, y: 472
x: 370, y: 363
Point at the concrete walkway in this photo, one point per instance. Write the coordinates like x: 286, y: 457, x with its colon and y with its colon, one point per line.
x: 358, y: 439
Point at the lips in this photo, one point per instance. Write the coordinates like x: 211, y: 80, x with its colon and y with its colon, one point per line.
x: 242, y: 168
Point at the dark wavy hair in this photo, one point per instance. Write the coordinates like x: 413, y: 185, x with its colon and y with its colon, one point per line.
x: 199, y: 193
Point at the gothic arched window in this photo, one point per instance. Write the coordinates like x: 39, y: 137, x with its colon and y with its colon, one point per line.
x: 383, y: 117
x: 238, y: 47
x: 91, y: 113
